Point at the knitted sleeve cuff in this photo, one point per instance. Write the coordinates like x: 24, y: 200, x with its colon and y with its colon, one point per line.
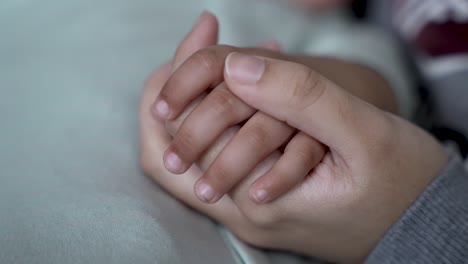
x: 435, y: 228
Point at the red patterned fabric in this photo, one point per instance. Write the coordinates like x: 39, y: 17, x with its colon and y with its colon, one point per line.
x: 436, y: 27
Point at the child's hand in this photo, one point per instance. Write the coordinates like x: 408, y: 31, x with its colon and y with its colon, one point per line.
x: 207, y: 130
x: 377, y: 166
x: 210, y: 121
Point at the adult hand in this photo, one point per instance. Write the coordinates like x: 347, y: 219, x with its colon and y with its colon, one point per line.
x: 378, y: 164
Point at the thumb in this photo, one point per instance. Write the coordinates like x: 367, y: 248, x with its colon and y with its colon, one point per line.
x: 302, y: 98
x: 203, y: 34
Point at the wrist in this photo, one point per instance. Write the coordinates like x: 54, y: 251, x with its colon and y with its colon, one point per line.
x: 434, y: 228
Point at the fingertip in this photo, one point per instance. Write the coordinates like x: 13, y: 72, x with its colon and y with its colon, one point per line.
x: 209, y: 16
x: 208, y: 23
x: 160, y: 109
x: 258, y: 195
x: 205, y: 192
x: 174, y: 163
x: 204, y: 33
x: 201, y: 18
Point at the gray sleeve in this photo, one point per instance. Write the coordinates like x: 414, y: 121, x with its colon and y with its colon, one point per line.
x: 435, y: 228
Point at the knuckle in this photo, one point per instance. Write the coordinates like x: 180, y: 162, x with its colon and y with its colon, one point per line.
x: 302, y: 152
x: 185, y: 142
x: 207, y: 58
x: 209, y: 156
x: 308, y: 86
x: 221, y: 176
x: 174, y: 125
x: 314, y: 147
x: 305, y: 149
x: 223, y: 102
x: 257, y: 135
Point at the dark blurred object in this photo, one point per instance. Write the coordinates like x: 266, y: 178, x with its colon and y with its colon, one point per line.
x: 437, y: 39
x: 437, y: 51
x: 446, y: 134
x: 450, y: 101
x: 359, y: 8
x: 434, y: 28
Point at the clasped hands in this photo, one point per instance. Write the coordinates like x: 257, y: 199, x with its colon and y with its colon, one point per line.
x: 278, y: 153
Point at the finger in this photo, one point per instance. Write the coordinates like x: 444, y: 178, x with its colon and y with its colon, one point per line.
x: 154, y: 138
x: 149, y: 126
x: 203, y: 34
x: 225, y: 211
x: 202, y: 71
x: 302, y: 98
x: 172, y: 126
x: 258, y: 138
x: 213, y: 151
x: 219, y: 111
x: 184, y: 51
x: 225, y: 103
x: 300, y: 156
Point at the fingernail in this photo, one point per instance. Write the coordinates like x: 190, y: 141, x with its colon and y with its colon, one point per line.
x: 161, y: 109
x: 260, y: 196
x: 244, y: 69
x: 173, y: 162
x: 205, y: 192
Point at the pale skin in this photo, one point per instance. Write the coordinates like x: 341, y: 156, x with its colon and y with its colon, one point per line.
x: 211, y: 122
x: 372, y: 170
